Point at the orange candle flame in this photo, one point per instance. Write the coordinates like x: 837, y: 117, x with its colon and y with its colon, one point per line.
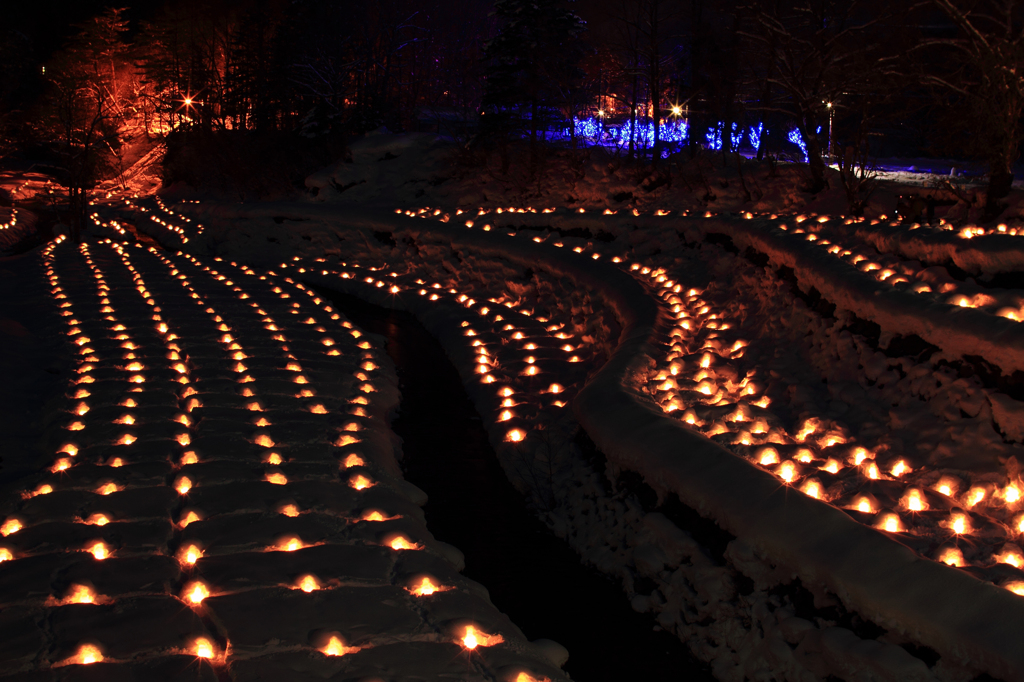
x: 290, y: 544
x: 277, y: 478
x: 401, y: 543
x: 474, y: 638
x: 335, y: 647
x: 80, y: 594
x: 526, y: 677
x: 426, y: 587
x: 952, y: 556
x: 87, y: 654
x: 108, y: 488
x: 914, y: 500
x: 203, y: 648
x: 190, y: 555
x: 360, y: 482
x: 196, y: 592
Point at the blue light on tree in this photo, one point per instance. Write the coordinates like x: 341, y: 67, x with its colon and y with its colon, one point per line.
x: 796, y: 138
x: 755, y: 136
x: 714, y: 137
x: 736, y: 136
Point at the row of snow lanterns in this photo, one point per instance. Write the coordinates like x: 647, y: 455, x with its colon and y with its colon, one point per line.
x: 422, y: 586
x: 883, y: 274
x: 90, y: 653
x: 195, y: 592
x: 902, y: 275
x: 113, y: 224
x: 790, y: 472
x: 11, y: 222
x: 484, y: 357
x: 174, y: 215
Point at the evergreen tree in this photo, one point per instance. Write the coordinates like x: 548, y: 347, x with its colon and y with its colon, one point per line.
x: 532, y: 68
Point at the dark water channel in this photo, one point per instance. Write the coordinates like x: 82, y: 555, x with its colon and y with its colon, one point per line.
x: 532, y: 575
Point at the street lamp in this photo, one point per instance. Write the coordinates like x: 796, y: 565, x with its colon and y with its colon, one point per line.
x: 831, y: 115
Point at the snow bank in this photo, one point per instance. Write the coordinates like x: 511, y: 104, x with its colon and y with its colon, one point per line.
x: 988, y: 254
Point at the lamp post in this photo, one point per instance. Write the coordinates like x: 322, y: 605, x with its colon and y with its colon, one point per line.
x: 831, y: 115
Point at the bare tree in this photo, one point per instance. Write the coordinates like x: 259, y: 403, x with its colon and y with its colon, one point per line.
x: 987, y: 76
x: 823, y: 54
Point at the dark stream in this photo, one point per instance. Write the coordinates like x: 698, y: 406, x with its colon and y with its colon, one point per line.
x: 532, y: 575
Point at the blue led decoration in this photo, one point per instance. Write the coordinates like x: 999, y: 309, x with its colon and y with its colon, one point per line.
x: 796, y: 138
x: 714, y: 137
x: 755, y: 136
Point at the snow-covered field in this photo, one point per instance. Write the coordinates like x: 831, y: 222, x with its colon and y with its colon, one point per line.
x: 807, y: 425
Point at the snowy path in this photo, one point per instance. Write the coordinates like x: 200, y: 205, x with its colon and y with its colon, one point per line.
x: 716, y: 345
x: 224, y: 497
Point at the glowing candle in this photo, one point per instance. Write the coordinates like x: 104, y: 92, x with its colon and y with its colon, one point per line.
x: 425, y: 587
x: 952, y: 556
x: 914, y: 500
x: 196, y: 592
x: 472, y: 638
x: 87, y: 654
x: 400, y: 542
x: 360, y: 482
x: 335, y: 647
x: 190, y: 554
x: 202, y: 648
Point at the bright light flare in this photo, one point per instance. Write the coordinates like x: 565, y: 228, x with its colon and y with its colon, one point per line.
x: 190, y: 555
x: 336, y: 647
x: 202, y: 648
x: 196, y: 592
x: 400, y: 542
x: 472, y: 638
x: 87, y: 654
